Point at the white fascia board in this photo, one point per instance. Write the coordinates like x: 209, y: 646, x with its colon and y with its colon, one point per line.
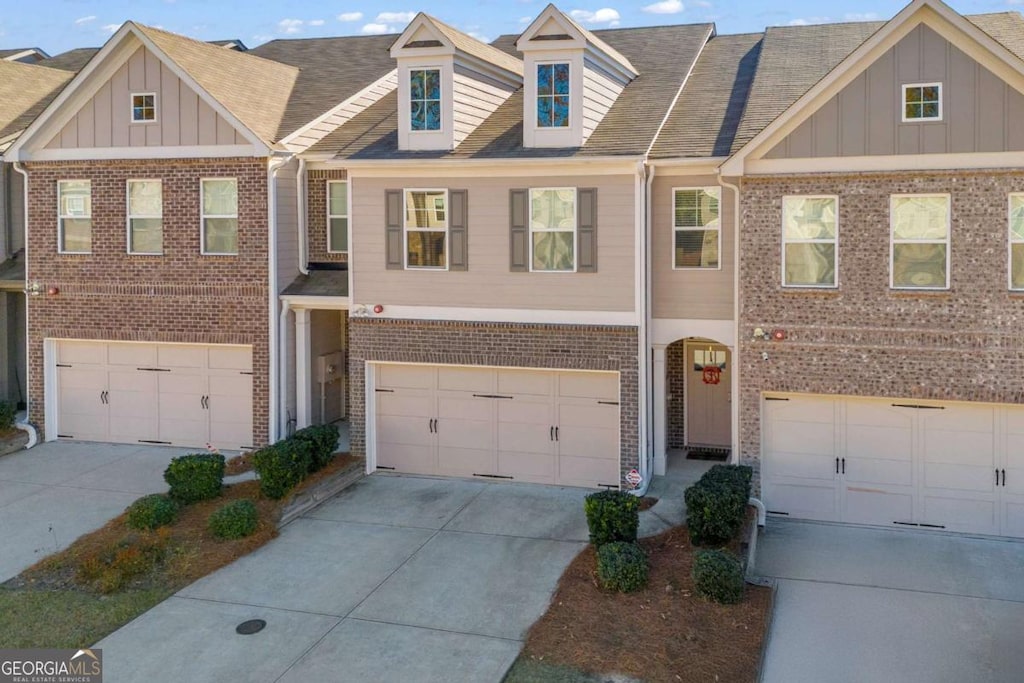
x: 690, y: 166
x: 320, y: 303
x: 523, y: 43
x: 497, y: 315
x: 185, y: 152
x: 421, y: 20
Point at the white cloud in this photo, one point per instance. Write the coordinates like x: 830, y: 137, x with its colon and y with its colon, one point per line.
x: 702, y: 3
x: 665, y: 7
x: 111, y: 28
x: 85, y: 20
x: 527, y: 20
x: 395, y: 17
x: 290, y: 26
x: 262, y: 38
x: 606, y: 15
x: 316, y: 22
x: 350, y: 16
x: 809, y: 20
x: 479, y: 36
x: 376, y: 28
x: 857, y: 16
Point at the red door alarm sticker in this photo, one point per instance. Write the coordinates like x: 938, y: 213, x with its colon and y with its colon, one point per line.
x: 634, y: 478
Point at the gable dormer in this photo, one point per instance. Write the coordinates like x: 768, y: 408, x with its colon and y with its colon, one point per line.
x: 571, y: 80
x: 448, y: 83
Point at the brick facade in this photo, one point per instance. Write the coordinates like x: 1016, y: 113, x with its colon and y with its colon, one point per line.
x: 316, y: 215
x: 864, y: 339
x: 180, y: 296
x: 497, y: 344
x: 675, y: 385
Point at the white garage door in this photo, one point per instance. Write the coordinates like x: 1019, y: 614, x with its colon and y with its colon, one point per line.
x: 523, y: 425
x: 173, y: 394
x: 926, y: 464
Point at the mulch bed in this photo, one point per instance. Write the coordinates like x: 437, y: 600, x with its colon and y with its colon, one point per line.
x: 240, y: 464
x: 662, y: 633
x: 647, y: 502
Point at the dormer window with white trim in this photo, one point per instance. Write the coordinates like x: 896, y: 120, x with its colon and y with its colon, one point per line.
x: 425, y: 99
x: 922, y: 102
x: 144, y: 107
x: 553, y: 95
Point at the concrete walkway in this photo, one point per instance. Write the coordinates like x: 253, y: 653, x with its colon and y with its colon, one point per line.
x: 397, y: 579
x: 54, y: 493
x: 866, y: 605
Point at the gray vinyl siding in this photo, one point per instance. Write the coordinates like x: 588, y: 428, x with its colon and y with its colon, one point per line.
x: 599, y: 94
x: 16, y: 211
x: 287, y: 225
x: 344, y: 113
x: 980, y: 112
x: 474, y: 97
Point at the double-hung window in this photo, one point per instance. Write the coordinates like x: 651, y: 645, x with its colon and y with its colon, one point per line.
x: 553, y: 229
x: 426, y: 229
x: 1017, y: 241
x: 337, y: 216
x: 553, y: 95
x: 145, y: 217
x: 696, y: 228
x: 425, y: 99
x: 810, y: 241
x: 920, y: 241
x: 74, y: 216
x: 220, y: 216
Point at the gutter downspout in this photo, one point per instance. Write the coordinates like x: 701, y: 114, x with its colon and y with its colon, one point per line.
x: 26, y: 426
x: 273, y: 166
x: 300, y: 202
x: 282, y: 414
x: 645, y: 176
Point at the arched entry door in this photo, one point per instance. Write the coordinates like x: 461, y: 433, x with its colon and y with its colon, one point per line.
x: 708, y: 395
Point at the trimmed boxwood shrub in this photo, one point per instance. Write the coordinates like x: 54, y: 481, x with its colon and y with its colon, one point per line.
x: 622, y: 566
x: 195, y: 477
x: 281, y: 466
x: 324, y: 439
x: 738, y: 477
x: 150, y: 512
x: 8, y: 413
x: 718, y: 576
x: 236, y: 519
x: 717, y: 503
x: 612, y: 516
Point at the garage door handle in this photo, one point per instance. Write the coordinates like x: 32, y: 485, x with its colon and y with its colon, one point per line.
x: 837, y: 465
x: 551, y: 434
x: 556, y: 433
x: 1004, y: 477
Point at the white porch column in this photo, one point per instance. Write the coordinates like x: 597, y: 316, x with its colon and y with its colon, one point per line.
x: 303, y: 370
x: 660, y: 411
x: 734, y: 402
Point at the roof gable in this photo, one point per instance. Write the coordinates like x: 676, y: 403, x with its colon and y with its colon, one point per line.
x: 555, y: 30
x: 428, y: 36
x: 25, y: 90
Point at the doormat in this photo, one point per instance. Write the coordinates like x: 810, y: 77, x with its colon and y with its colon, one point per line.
x: 719, y: 454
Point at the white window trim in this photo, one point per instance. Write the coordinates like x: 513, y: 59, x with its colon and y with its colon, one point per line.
x: 675, y: 228
x: 893, y: 241
x: 537, y: 95
x: 834, y: 241
x: 575, y: 227
x: 131, y: 107
x: 129, y: 216
x: 406, y: 230
x: 203, y: 216
x: 348, y: 205
x: 61, y: 217
x: 440, y: 75
x: 1010, y: 241
x: 903, y: 100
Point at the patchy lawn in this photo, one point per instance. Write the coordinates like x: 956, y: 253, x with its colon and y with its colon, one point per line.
x: 662, y: 633
x: 107, y: 578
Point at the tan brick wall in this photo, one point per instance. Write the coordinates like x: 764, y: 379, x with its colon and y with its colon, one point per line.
x: 863, y: 339
x: 497, y: 344
x: 180, y: 296
x: 316, y: 215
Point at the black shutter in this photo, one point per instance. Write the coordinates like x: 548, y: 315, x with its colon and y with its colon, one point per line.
x: 458, y: 219
x: 393, y: 246
x: 586, y: 229
x: 519, y: 231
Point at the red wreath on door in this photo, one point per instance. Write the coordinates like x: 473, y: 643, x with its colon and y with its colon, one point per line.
x: 712, y: 374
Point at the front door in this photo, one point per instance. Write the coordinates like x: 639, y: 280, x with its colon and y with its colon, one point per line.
x: 708, y: 396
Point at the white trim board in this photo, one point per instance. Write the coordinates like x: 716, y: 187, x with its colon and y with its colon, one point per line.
x: 499, y: 315
x: 887, y: 164
x: 184, y: 152
x: 319, y: 303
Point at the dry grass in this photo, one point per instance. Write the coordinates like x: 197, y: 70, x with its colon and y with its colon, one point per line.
x: 662, y: 633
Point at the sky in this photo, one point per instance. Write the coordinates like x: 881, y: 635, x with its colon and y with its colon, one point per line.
x: 60, y: 25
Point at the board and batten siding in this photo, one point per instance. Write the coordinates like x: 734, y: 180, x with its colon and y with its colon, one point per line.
x: 697, y: 294
x: 980, y: 112
x: 183, y: 119
x: 474, y: 97
x: 488, y: 282
x: 287, y: 208
x: 599, y: 94
x: 344, y: 113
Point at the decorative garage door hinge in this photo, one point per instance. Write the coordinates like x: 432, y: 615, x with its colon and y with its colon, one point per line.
x: 65, y: 436
x: 162, y: 443
x: 63, y: 365
x: 385, y: 391
x: 607, y: 403
x: 491, y: 476
x: 916, y: 406
x: 773, y: 398
x: 153, y: 369
x: 245, y: 372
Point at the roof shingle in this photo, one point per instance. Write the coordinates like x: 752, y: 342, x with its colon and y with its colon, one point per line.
x: 25, y: 90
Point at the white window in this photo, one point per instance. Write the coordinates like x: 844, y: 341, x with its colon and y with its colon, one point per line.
x: 696, y: 228
x: 1017, y: 241
x: 922, y: 102
x: 337, y: 216
x: 426, y: 235
x: 920, y: 241
x: 145, y: 217
x: 553, y: 95
x: 74, y: 212
x: 810, y: 244
x: 425, y: 99
x: 143, y: 107
x: 553, y: 229
x: 220, y: 215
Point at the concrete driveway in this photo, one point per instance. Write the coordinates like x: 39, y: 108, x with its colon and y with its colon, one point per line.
x: 54, y: 493
x: 396, y: 579
x: 864, y: 605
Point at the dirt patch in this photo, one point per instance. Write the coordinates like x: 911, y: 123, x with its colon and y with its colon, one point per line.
x: 647, y: 502
x: 240, y: 464
x: 662, y: 633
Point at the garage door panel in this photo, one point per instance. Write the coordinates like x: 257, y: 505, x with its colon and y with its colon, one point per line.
x: 959, y: 478
x: 882, y: 472
x: 414, y: 458
x: 465, y: 379
x: 805, y: 438
x: 403, y: 430
x: 171, y: 356
x: 884, y: 443
x: 801, y: 409
x: 802, y: 501
x: 466, y: 462
x: 406, y: 404
x: 82, y: 353
x: 783, y: 465
x: 535, y: 467
x: 525, y: 438
x: 405, y: 377
x: 131, y: 355
x: 587, y: 472
x: 525, y: 383
x: 595, y: 385
x: 465, y: 433
x: 1013, y: 518
x: 966, y: 515
x: 879, y: 415
x: 877, y: 506
x: 961, y: 448
x: 230, y: 358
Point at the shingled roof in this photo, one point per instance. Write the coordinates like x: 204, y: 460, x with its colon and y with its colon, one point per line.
x: 662, y: 55
x: 72, y: 60
x: 25, y: 90
x: 471, y: 46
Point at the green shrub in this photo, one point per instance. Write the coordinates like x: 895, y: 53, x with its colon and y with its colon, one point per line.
x: 718, y: 576
x: 150, y: 512
x: 738, y: 477
x: 282, y: 465
x: 612, y: 516
x: 714, y: 513
x: 236, y: 519
x: 324, y: 439
x: 622, y: 566
x: 195, y: 477
x: 8, y: 413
